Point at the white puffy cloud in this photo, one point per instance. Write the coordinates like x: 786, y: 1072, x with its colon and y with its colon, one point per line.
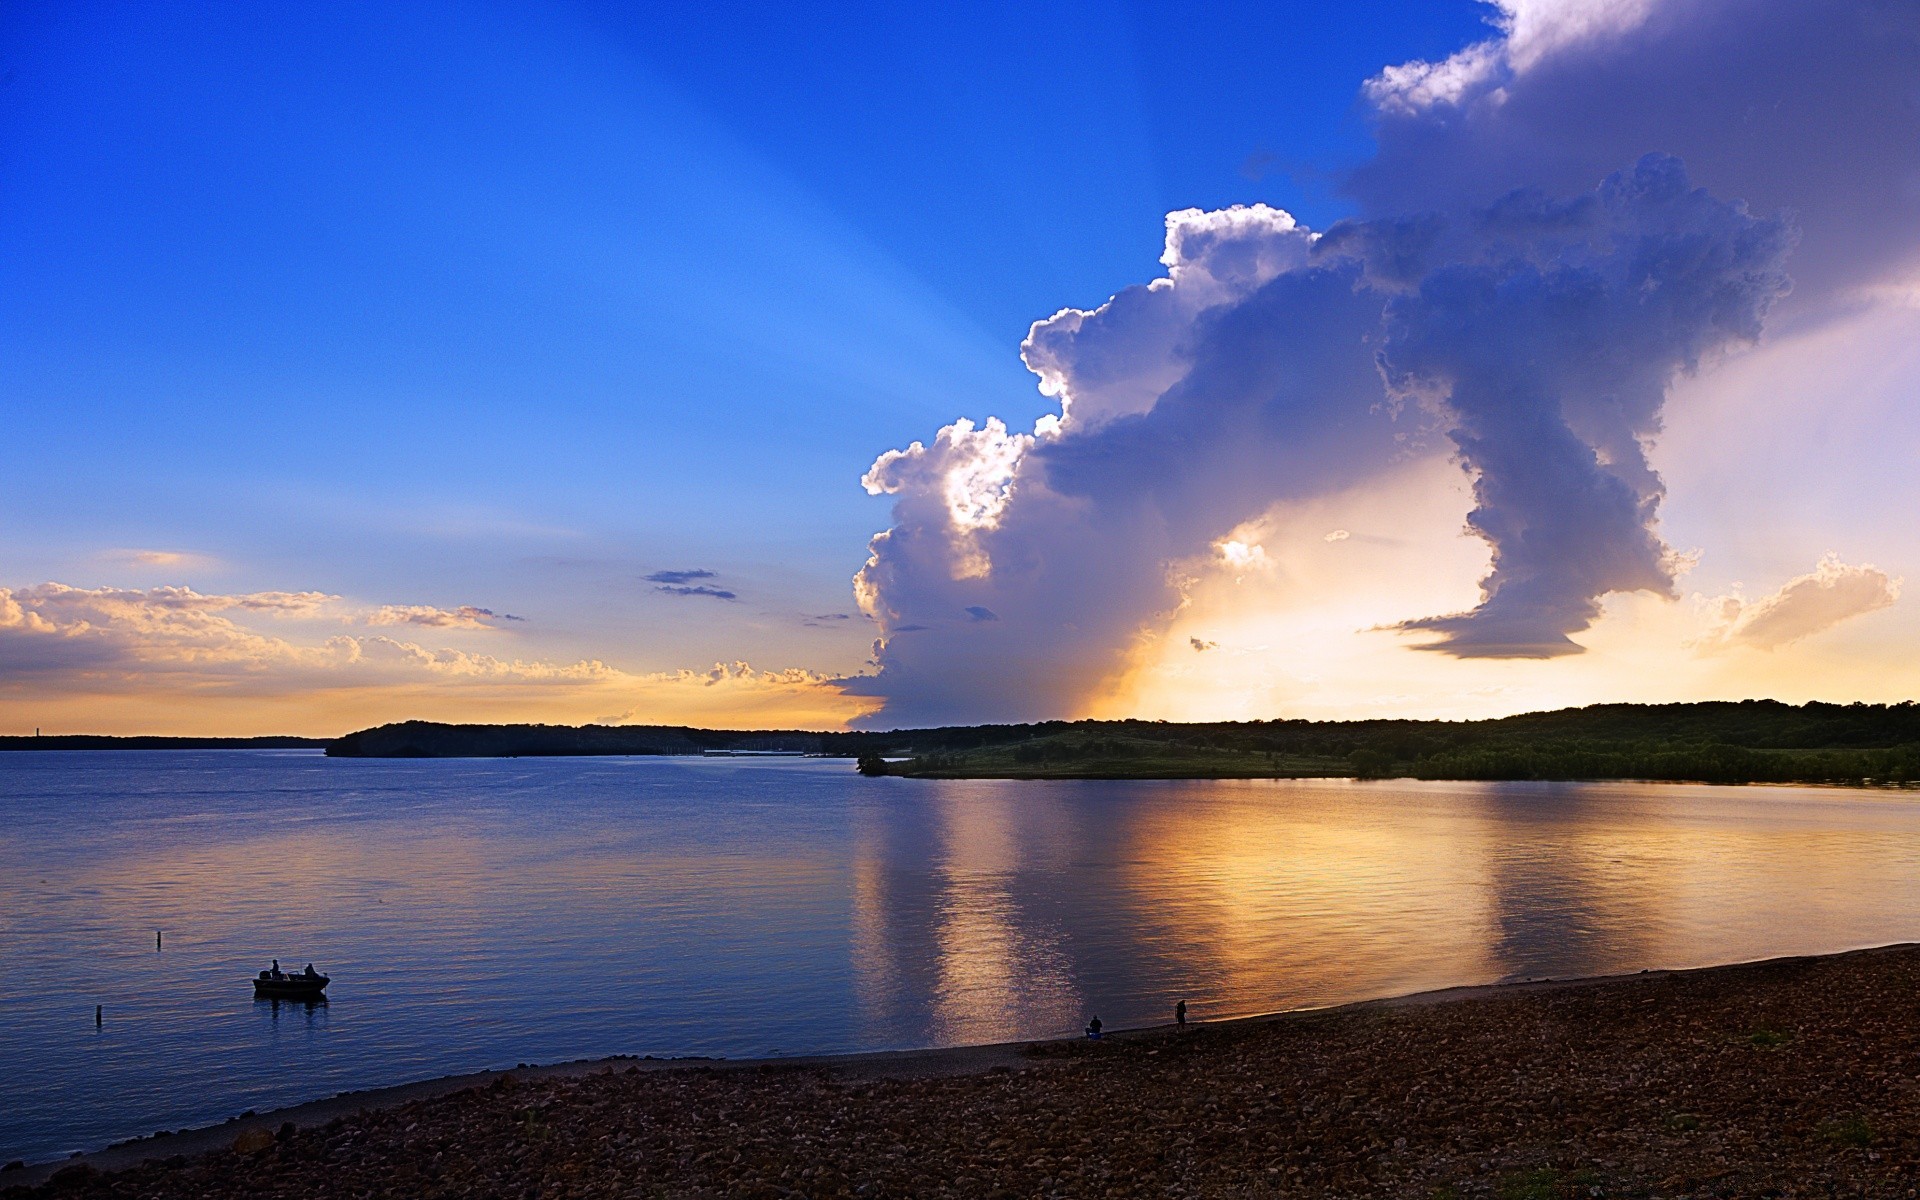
x: 960, y: 485
x: 1117, y: 359
x: 1189, y: 404
x: 1530, y: 31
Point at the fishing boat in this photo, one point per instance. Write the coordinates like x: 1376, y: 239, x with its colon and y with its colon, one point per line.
x: 277, y: 985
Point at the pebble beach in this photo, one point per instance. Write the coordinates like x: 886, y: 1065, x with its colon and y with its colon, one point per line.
x: 1795, y: 1077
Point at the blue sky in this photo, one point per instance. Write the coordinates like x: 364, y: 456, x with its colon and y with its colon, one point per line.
x: 373, y: 317
x: 401, y: 303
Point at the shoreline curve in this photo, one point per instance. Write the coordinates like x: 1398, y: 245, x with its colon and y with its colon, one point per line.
x: 924, y: 1062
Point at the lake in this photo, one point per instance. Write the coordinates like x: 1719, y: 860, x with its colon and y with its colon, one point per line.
x: 482, y: 913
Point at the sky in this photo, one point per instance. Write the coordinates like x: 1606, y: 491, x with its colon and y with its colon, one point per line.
x: 754, y: 366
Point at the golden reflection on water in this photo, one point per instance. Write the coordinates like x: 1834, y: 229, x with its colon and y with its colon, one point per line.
x: 484, y: 913
x: 999, y: 965
x: 1042, y: 900
x: 1290, y: 901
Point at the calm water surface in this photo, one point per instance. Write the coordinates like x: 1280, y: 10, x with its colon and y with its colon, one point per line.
x: 483, y: 913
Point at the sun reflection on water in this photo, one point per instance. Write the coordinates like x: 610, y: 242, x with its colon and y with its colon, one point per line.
x: 478, y: 914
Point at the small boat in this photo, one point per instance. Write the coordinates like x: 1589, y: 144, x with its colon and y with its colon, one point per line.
x: 279, y: 986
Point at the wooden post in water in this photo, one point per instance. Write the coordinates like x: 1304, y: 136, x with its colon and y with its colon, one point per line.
x: 97, y: 1010
x: 156, y: 941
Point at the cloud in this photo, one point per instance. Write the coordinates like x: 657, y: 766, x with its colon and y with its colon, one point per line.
x: 467, y: 616
x: 1489, y: 302
x: 1802, y: 105
x: 1189, y: 404
x: 159, y: 558
x: 980, y: 612
x: 1805, y: 605
x: 1244, y: 558
x: 1338, y: 535
x: 120, y: 659
x: 176, y: 607
x: 1550, y: 348
x: 166, y: 631
x: 1531, y: 31
x: 1537, y: 335
x: 1201, y: 645
x: 675, y: 583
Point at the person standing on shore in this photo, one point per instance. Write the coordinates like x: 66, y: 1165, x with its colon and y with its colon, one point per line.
x: 1180, y: 1014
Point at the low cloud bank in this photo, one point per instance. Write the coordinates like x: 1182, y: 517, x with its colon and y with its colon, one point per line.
x: 142, y: 636
x: 113, y: 659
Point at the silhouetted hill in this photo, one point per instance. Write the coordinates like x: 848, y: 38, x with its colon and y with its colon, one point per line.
x: 1749, y: 741
x: 430, y: 739
x: 101, y: 741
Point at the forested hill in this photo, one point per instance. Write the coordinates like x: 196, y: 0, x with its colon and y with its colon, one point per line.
x: 1748, y: 741
x: 429, y: 739
x: 1722, y: 741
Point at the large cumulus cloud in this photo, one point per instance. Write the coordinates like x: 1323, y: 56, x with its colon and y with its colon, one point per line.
x: 1551, y: 352
x: 1270, y: 365
x: 1807, y: 105
x: 1188, y: 404
x: 1491, y: 303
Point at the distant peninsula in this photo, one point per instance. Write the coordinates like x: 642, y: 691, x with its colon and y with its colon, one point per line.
x: 103, y: 741
x: 1747, y: 741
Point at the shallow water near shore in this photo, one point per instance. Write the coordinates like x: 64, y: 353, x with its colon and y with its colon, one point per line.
x: 482, y: 913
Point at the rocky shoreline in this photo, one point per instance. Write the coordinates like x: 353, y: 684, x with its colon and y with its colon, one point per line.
x: 1795, y: 1077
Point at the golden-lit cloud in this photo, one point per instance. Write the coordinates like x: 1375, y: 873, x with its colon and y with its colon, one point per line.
x: 1805, y: 605
x: 1313, y: 636
x: 467, y: 616
x: 179, y: 661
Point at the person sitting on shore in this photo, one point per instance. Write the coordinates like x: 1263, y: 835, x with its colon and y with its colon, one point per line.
x: 1093, y: 1029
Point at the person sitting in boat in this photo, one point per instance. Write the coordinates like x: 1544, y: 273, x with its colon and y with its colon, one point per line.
x: 310, y: 973
x: 276, y: 970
